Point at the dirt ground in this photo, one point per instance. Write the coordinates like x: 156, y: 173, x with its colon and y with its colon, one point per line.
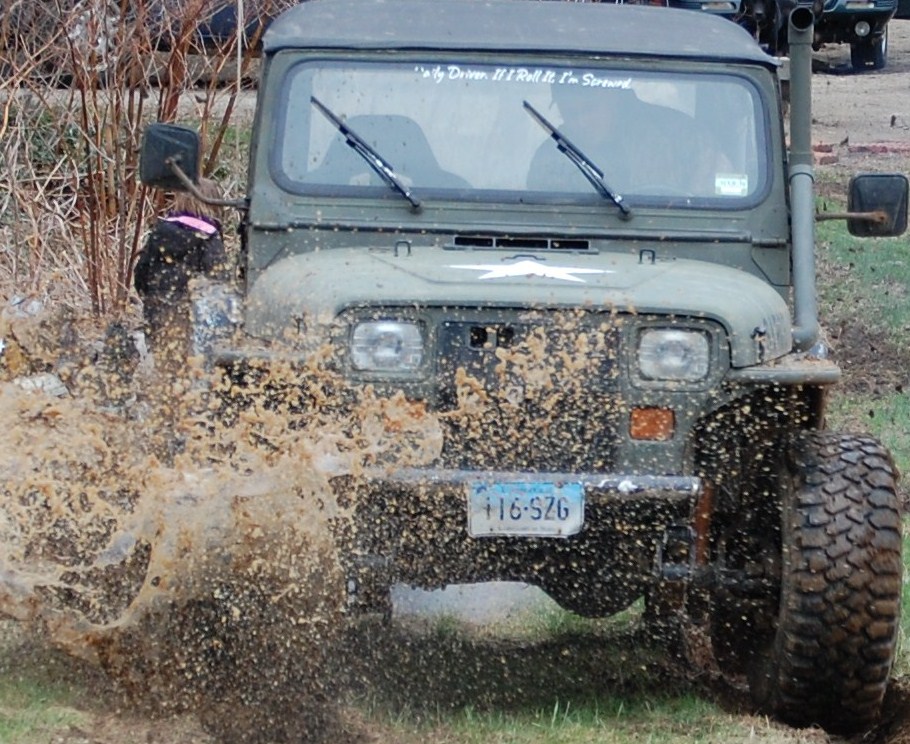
x: 861, y: 123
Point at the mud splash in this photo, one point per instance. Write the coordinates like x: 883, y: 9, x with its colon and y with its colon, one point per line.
x: 181, y: 529
x: 182, y: 540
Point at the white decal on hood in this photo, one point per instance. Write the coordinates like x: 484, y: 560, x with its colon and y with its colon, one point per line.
x: 528, y: 268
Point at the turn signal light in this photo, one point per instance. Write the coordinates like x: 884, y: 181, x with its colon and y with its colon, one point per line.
x: 654, y: 424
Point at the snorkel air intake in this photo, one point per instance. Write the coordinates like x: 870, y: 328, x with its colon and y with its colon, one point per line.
x: 802, y: 179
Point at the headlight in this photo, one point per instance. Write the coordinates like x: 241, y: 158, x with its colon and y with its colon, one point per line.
x: 387, y: 346
x: 672, y: 354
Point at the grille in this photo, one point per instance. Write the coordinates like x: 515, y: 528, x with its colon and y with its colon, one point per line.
x: 534, y: 394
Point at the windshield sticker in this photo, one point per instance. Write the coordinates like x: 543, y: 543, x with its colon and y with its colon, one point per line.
x: 529, y: 268
x: 442, y: 73
x: 726, y: 184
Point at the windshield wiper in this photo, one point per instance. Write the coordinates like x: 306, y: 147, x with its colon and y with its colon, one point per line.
x: 379, y: 164
x: 581, y: 161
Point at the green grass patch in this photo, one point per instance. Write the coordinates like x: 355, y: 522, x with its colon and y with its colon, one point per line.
x: 32, y: 709
x: 866, y: 279
x: 684, y: 718
x: 902, y: 661
x: 551, y: 622
x: 886, y: 417
x: 41, y: 690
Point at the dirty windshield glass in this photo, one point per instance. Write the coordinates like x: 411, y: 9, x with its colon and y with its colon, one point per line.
x: 464, y: 128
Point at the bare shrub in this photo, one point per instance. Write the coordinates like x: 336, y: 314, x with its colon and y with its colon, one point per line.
x: 80, y: 80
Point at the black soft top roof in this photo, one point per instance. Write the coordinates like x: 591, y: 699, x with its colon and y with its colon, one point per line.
x: 512, y: 25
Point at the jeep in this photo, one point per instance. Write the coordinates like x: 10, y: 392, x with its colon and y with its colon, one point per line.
x: 585, y: 244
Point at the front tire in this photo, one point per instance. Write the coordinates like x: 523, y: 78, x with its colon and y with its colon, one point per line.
x: 837, y: 624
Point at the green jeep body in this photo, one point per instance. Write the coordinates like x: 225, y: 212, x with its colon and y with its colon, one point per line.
x: 625, y: 364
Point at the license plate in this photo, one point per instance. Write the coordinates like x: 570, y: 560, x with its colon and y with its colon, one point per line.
x: 539, y: 509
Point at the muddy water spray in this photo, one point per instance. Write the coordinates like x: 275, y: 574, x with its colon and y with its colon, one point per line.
x: 183, y: 536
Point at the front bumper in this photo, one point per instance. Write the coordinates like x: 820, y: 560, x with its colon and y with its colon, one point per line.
x: 838, y: 26
x: 412, y: 525
x: 599, y: 488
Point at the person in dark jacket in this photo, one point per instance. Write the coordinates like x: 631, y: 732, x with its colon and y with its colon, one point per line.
x: 185, y: 242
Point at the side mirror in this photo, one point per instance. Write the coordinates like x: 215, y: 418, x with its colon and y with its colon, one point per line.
x: 164, y: 145
x: 881, y: 199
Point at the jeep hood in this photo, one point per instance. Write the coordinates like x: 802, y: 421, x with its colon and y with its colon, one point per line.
x: 319, y: 285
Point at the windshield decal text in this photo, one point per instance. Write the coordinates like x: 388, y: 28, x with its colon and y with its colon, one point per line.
x: 443, y: 73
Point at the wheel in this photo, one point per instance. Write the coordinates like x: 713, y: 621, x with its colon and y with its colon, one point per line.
x: 880, y: 51
x: 870, y: 55
x: 837, y: 622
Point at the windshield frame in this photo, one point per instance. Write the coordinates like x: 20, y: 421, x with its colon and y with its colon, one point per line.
x: 294, y: 62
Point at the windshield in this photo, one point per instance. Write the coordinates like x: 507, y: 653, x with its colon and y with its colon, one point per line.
x: 467, y: 130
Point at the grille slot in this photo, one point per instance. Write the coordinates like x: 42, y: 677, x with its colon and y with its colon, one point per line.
x: 493, y: 242
x: 491, y: 337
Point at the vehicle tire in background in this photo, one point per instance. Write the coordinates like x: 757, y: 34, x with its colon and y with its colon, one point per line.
x: 836, y: 637
x: 871, y: 54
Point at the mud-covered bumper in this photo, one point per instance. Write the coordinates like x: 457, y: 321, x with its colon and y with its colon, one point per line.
x: 598, y: 487
x: 491, y: 503
x: 431, y: 527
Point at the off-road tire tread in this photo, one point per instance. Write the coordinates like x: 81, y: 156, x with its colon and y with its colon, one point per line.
x: 840, y: 596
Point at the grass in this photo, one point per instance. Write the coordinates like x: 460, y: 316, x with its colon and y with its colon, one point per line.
x: 552, y: 622
x: 682, y: 718
x: 902, y: 661
x: 886, y: 417
x: 572, y: 705
x: 32, y: 704
x: 550, y: 677
x: 595, y: 681
x: 869, y: 277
